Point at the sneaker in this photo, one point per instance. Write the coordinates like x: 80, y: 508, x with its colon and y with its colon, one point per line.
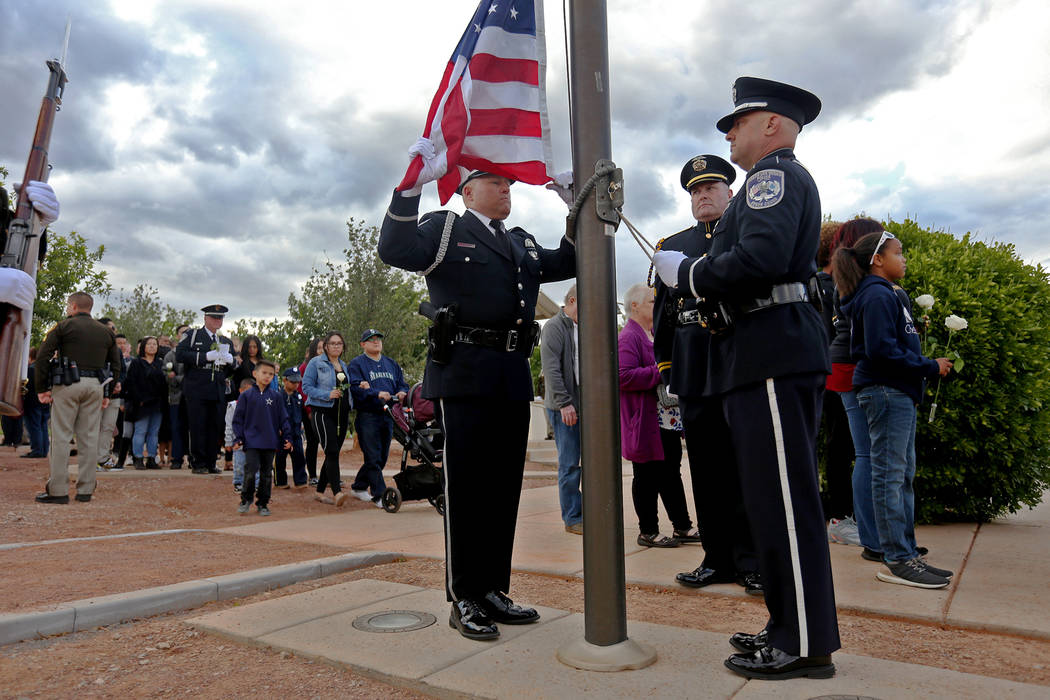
x: 237, y: 488
x: 313, y: 482
x: 574, y: 529
x: 844, y: 531
x: 871, y: 555
x: 264, y: 511
x: 361, y: 495
x: 378, y: 503
x: 912, y: 572
x: 934, y: 570
x: 116, y: 467
x: 244, y: 508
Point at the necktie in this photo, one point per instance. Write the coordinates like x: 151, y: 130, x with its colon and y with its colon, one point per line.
x: 502, y: 238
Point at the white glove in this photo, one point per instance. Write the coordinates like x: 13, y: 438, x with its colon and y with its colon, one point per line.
x: 43, y: 198
x: 424, y: 148
x: 226, y: 358
x: 16, y: 288
x: 212, y: 355
x: 563, y: 186
x: 667, y: 263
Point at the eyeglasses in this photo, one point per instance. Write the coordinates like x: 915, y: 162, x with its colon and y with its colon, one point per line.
x: 886, y: 235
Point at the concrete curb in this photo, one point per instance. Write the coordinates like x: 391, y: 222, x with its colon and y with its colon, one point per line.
x: 80, y: 615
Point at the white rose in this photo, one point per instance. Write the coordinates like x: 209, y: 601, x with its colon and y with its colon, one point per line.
x: 956, y: 323
x: 167, y: 366
x: 341, y: 377
x: 926, y: 301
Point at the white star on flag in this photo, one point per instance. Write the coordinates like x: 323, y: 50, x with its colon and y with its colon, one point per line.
x: 492, y: 9
x: 477, y: 28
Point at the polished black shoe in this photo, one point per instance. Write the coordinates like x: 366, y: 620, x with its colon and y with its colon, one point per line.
x: 749, y: 643
x: 871, y: 555
x: 771, y: 664
x: 212, y: 470
x: 32, y: 455
x: 84, y: 497
x: 502, y: 609
x: 139, y: 462
x: 176, y: 465
x: 700, y: 577
x: 48, y: 498
x: 471, y: 621
x: 199, y: 470
x: 752, y: 583
x: 151, y: 463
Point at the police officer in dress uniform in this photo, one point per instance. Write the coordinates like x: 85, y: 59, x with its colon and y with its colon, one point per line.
x: 681, y: 343
x: 209, y: 363
x: 768, y: 367
x: 76, y: 406
x: 483, y: 385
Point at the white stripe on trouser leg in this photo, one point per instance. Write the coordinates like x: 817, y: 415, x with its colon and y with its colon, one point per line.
x: 789, y: 515
x: 448, y: 503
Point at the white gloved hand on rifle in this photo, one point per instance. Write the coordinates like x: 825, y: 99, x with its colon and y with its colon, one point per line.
x: 42, y: 196
x: 16, y: 288
x: 667, y: 263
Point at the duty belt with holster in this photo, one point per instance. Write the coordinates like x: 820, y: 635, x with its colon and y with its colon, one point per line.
x: 719, y: 316
x: 446, y: 331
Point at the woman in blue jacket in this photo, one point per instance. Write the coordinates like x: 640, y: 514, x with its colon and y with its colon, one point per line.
x: 889, y: 379
x: 328, y: 396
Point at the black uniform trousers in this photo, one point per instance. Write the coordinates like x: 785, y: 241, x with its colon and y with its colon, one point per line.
x: 838, y: 458
x: 207, y: 422
x: 484, y: 460
x: 774, y: 431
x: 724, y: 529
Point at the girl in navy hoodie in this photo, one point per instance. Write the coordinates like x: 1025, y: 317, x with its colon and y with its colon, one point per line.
x: 889, y: 379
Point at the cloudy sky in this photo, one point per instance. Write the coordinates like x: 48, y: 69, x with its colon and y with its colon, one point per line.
x: 217, y: 147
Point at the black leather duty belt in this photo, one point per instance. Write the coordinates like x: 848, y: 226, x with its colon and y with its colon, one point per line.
x: 506, y: 340
x: 788, y: 293
x: 96, y: 373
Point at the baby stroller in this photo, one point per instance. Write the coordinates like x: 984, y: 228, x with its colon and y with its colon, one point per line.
x: 421, y: 438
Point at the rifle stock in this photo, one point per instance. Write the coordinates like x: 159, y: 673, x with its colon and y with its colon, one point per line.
x: 23, y: 249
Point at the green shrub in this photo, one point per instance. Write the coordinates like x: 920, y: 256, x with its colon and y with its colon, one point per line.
x: 987, y: 450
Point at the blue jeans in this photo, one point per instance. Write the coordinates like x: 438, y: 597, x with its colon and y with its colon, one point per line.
x: 239, y: 459
x: 567, y: 438
x: 36, y: 418
x: 891, y: 425
x: 374, y: 433
x: 145, y: 435
x: 863, y: 508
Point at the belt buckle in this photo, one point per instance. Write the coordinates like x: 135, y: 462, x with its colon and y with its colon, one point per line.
x: 512, y: 341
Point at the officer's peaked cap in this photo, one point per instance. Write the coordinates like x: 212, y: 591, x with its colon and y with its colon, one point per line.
x: 753, y: 94
x: 215, y: 310
x: 474, y: 175
x: 706, y: 168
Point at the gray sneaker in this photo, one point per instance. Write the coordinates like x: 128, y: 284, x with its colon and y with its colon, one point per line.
x: 844, y: 531
x: 934, y: 570
x: 244, y: 508
x: 913, y: 572
x: 264, y: 511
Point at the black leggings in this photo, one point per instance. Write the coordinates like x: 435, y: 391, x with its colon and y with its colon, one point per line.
x: 661, y: 478
x: 311, y: 446
x: 330, y: 425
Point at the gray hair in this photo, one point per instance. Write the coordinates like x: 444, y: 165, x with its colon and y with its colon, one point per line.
x: 571, y: 294
x: 635, y: 294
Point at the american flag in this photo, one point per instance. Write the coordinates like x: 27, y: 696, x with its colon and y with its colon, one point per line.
x: 490, y: 111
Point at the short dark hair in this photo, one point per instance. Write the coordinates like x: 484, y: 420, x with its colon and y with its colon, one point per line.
x: 81, y: 300
x: 105, y: 319
x: 266, y: 363
x: 121, y: 335
x: 245, y: 383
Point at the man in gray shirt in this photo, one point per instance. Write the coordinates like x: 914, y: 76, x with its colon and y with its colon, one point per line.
x: 560, y: 358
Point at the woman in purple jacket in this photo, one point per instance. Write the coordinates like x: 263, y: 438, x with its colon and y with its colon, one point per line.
x: 653, y: 445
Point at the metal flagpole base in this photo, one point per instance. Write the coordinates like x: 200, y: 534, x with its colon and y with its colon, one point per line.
x: 627, y: 655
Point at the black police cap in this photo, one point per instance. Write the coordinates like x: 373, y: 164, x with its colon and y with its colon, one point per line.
x: 370, y: 333
x: 474, y: 175
x: 215, y: 310
x: 706, y: 168
x: 753, y: 94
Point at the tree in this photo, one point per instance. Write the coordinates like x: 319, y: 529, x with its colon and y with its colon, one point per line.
x: 70, y: 266
x: 139, y: 312
x: 282, y: 341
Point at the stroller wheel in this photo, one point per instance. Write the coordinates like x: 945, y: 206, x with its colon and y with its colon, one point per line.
x: 391, y: 500
x: 438, y: 502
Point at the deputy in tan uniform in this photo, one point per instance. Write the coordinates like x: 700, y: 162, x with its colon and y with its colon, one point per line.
x: 77, y: 406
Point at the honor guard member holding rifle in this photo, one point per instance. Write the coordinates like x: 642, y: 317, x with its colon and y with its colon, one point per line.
x: 768, y: 360
x: 80, y: 376
x: 209, y: 363
x: 681, y: 342
x: 483, y: 281
x: 16, y: 287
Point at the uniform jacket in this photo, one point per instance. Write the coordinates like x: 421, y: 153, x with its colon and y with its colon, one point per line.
x: 79, y: 338
x: 202, y: 380
x: 558, y: 354
x: 493, y: 290
x: 885, y: 341
x: 260, y: 421
x: 768, y: 235
x: 293, y: 407
x: 639, y: 414
x: 320, y: 378
x: 145, y: 389
x: 681, y: 351
x: 384, y: 375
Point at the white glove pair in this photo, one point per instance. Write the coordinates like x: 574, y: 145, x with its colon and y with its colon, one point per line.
x: 219, y: 357
x: 667, y: 263
x: 42, y: 196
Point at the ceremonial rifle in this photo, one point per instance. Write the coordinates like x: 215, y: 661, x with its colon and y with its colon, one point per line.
x: 23, y: 245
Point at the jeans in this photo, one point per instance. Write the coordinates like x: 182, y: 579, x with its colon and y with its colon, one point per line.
x: 891, y: 425
x: 374, y: 432
x: 863, y: 508
x: 146, y: 429
x: 36, y: 418
x: 238, y: 468
x: 567, y: 439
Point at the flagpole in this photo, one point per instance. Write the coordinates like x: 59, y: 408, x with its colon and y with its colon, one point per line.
x: 605, y: 646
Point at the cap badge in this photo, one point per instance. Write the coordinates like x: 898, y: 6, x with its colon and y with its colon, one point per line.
x: 699, y: 164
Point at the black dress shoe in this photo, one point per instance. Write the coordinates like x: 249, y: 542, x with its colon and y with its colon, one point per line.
x: 212, y: 470
x: 84, y: 497
x: 771, y: 664
x: 32, y: 455
x: 749, y: 643
x: 752, y: 583
x: 502, y: 609
x: 199, y: 470
x: 700, y: 577
x: 471, y: 621
x: 48, y: 498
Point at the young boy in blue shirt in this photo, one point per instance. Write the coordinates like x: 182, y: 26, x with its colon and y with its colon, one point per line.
x: 260, y: 428
x: 293, y: 407
x: 374, y: 380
